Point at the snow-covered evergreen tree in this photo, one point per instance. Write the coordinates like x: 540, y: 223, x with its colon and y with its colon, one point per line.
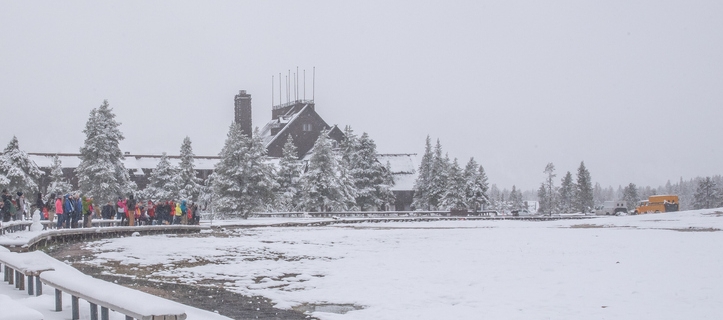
x: 707, y: 195
x: 243, y: 181
x: 164, y: 182
x: 543, y: 199
x: 584, y: 201
x: 515, y: 199
x: 494, y: 196
x: 549, y: 198
x: 455, y: 196
x: 17, y: 171
x: 58, y: 183
x: 288, y: 177
x: 369, y: 176
x: 476, y: 186
x: 189, y: 184
x: 438, y: 176
x: 566, y: 197
x: 325, y: 186
x: 385, y: 188
x: 630, y: 196
x: 423, y: 182
x: 349, y: 147
x: 101, y: 173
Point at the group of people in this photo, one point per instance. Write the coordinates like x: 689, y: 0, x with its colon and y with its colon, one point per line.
x: 69, y: 209
x: 132, y: 212
x: 13, y: 207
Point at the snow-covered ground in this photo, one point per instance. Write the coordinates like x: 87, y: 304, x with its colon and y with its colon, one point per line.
x: 662, y: 266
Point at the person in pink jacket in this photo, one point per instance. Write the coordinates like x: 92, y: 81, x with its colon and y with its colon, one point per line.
x: 121, y: 210
x: 59, y: 211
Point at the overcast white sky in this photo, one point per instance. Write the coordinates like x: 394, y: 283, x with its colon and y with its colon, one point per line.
x: 633, y: 88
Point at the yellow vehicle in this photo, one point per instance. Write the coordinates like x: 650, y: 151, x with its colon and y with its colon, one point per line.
x: 658, y: 204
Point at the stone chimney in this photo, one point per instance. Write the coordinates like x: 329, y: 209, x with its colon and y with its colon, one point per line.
x: 242, y: 112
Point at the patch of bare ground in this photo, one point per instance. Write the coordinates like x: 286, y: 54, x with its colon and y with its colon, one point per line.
x: 207, y: 295
x: 586, y: 226
x: 693, y: 229
x: 596, y: 226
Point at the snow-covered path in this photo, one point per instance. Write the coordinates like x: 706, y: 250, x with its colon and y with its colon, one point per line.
x: 663, y: 266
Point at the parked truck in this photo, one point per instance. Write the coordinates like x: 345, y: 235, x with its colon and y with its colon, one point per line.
x: 658, y: 204
x: 612, y: 208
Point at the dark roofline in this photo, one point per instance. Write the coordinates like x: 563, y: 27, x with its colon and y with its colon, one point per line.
x: 137, y: 156
x: 278, y: 134
x: 396, y: 154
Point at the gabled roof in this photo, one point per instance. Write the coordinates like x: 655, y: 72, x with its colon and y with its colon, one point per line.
x: 286, y: 121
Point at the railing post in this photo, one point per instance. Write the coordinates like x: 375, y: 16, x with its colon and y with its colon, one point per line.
x: 103, y: 313
x: 5, y: 273
x: 58, y: 300
x: 93, y: 311
x: 19, y: 280
x: 38, y: 286
x: 75, y: 307
x: 30, y: 286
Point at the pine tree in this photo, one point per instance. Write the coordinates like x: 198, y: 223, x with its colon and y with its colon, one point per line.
x: 454, y: 196
x: 707, y: 195
x: 438, y: 176
x: 325, y: 186
x: 583, y: 194
x: 189, y: 184
x: 544, y: 199
x: 288, y: 177
x: 17, y: 171
x: 349, y: 147
x: 101, y: 173
x: 494, y: 197
x: 387, y: 196
x: 549, y: 198
x: 516, y: 200
x: 164, y: 182
x: 476, y: 186
x: 243, y: 179
x: 630, y: 196
x: 424, y: 179
x: 58, y: 183
x: 369, y: 176
x: 567, y: 194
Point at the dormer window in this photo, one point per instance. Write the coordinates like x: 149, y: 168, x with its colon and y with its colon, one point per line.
x: 306, y: 126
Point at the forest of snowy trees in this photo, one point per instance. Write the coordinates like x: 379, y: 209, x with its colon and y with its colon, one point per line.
x: 349, y: 178
x: 345, y: 177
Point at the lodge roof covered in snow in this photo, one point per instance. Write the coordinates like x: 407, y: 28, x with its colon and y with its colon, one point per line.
x: 403, y: 166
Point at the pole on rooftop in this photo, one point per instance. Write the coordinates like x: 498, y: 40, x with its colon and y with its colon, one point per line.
x: 313, y: 84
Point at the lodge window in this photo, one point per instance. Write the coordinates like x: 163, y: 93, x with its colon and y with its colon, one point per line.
x: 307, y: 126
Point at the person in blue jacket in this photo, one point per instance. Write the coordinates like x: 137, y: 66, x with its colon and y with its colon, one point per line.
x: 68, y: 210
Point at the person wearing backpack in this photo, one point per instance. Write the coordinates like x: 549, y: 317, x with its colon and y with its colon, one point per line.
x: 50, y: 207
x: 131, y: 210
x: 7, y: 208
x: 20, y: 209
x: 78, y: 206
x: 88, y: 212
x: 68, y: 211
